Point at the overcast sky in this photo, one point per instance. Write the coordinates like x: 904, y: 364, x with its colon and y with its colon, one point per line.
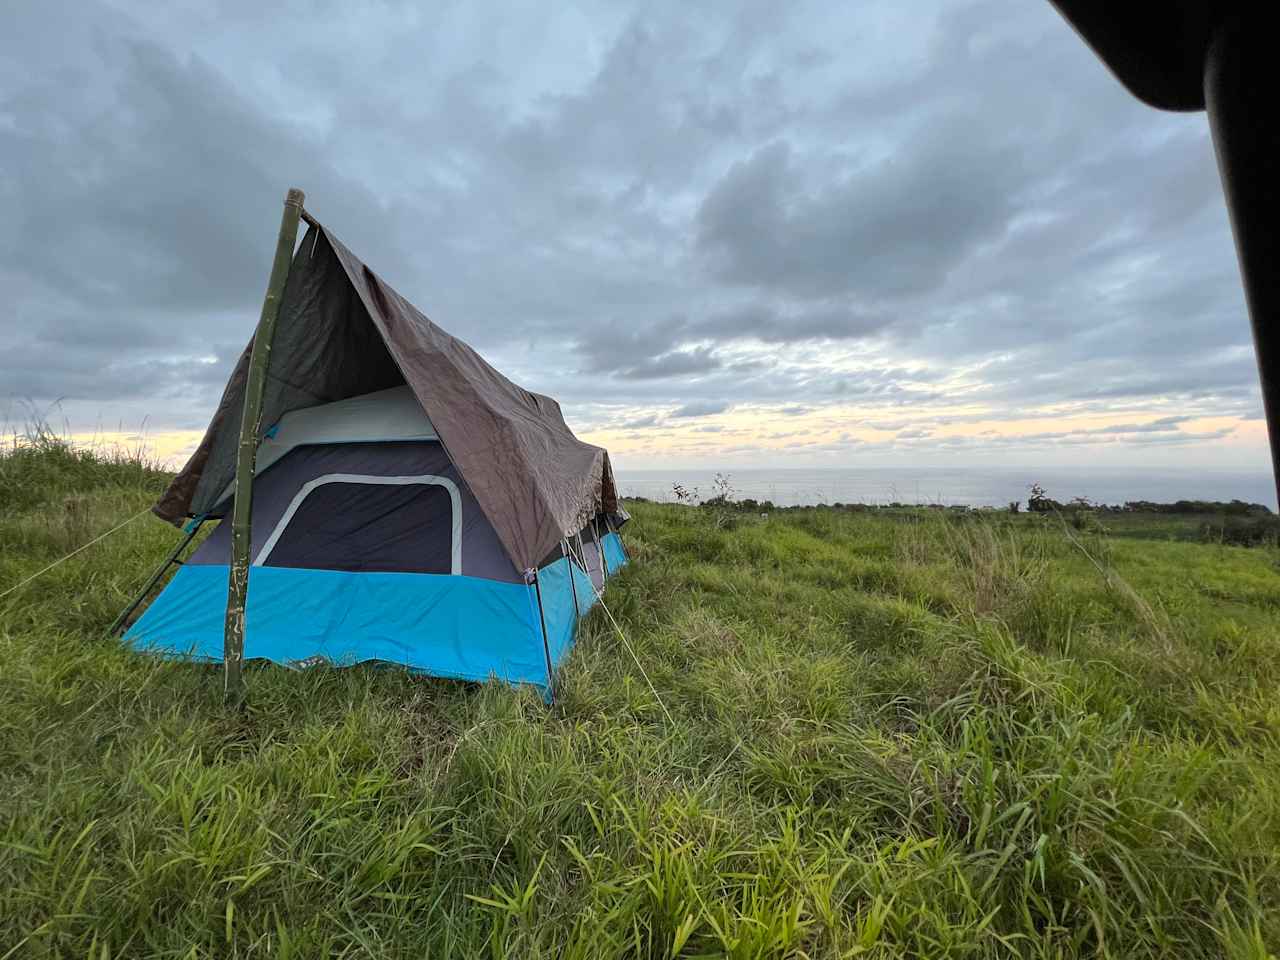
x: 818, y: 234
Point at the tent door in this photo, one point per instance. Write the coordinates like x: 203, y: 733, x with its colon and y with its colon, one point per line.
x: 364, y: 523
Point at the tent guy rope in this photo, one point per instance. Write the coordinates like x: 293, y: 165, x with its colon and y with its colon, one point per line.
x: 627, y: 643
x: 39, y: 573
x: 622, y: 636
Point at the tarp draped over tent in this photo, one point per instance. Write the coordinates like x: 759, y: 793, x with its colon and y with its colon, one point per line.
x: 343, y: 332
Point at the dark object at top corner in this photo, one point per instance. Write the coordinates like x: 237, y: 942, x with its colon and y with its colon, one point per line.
x: 1156, y: 48
x: 1219, y: 56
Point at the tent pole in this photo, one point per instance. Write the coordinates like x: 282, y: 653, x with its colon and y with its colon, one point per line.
x: 192, y: 529
x: 604, y: 564
x: 582, y: 556
x: 247, y: 451
x: 573, y: 581
x: 546, y: 647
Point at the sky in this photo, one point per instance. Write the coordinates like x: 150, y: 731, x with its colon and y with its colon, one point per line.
x: 721, y: 234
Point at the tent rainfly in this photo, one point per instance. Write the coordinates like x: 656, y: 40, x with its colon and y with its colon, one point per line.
x: 409, y: 504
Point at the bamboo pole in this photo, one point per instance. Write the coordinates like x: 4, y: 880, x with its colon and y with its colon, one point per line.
x: 247, y: 452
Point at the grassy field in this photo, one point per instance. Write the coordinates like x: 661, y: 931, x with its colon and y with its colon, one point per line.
x: 888, y: 736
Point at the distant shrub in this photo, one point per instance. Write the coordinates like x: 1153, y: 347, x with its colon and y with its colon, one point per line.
x: 1039, y: 501
x: 722, y: 505
x: 1242, y: 531
x: 683, y: 494
x: 1233, y: 508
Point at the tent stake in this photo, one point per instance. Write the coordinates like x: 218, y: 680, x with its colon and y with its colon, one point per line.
x: 247, y: 451
x: 192, y: 529
x: 546, y: 647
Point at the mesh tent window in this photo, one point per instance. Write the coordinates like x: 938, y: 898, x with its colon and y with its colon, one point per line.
x: 362, y: 523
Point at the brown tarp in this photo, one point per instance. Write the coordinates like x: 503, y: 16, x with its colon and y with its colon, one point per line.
x: 342, y: 332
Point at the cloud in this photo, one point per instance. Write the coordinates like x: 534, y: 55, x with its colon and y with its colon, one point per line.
x: 889, y: 425
x: 1154, y: 426
x: 828, y: 320
x: 1128, y: 435
x: 702, y: 408
x: 675, y: 363
x: 868, y: 226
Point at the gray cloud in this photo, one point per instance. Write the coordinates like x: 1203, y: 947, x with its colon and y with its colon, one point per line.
x: 1155, y: 426
x: 702, y: 408
x: 1099, y: 436
x: 831, y: 320
x: 869, y: 227
x: 675, y: 363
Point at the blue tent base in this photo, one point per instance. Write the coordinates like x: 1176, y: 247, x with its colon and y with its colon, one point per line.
x: 459, y: 627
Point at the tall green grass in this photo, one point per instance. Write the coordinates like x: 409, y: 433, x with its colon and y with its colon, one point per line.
x: 891, y: 736
x: 38, y: 466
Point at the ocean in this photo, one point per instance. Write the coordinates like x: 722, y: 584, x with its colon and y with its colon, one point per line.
x: 978, y: 487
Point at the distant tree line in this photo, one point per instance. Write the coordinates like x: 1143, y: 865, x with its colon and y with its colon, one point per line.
x: 1038, y: 501
x: 1233, y: 522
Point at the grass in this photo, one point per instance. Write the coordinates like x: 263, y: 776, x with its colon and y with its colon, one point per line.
x: 893, y: 736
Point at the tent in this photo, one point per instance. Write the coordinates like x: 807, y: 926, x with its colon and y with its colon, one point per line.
x: 410, y: 503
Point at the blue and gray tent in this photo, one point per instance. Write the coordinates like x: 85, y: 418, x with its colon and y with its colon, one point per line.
x: 410, y: 503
